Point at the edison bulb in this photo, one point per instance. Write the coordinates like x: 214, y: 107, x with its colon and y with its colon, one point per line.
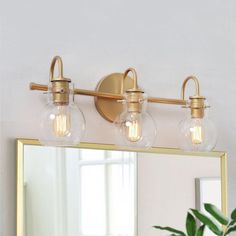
x: 61, y: 125
x: 135, y: 129
x: 197, y: 134
x: 61, y: 122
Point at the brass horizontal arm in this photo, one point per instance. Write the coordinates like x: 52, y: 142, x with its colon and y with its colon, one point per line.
x: 171, y: 101
x: 42, y: 87
x: 98, y: 94
x: 39, y: 87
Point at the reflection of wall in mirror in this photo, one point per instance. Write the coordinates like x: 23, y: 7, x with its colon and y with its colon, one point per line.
x: 79, y: 192
x: 208, y: 190
x: 40, y: 192
x: 166, y: 188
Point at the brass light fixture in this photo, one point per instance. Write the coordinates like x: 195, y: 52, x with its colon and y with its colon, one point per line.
x: 135, y: 127
x: 63, y: 123
x: 197, y: 132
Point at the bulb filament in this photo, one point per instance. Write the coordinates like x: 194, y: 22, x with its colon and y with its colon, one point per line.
x: 133, y: 130
x: 62, y: 125
x: 196, y: 134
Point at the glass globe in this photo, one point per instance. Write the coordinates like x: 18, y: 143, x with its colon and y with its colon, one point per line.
x: 135, y: 129
x: 197, y: 134
x: 61, y: 125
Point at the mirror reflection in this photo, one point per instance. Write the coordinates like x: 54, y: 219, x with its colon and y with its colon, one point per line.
x: 94, y: 192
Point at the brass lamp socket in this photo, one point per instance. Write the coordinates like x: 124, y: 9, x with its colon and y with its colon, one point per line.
x: 61, y: 91
x: 197, y: 106
x: 60, y: 84
x: 134, y: 101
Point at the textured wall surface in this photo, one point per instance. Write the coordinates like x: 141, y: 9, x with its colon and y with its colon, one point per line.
x: 164, y: 40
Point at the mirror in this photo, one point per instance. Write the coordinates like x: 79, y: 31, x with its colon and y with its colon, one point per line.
x: 101, y: 190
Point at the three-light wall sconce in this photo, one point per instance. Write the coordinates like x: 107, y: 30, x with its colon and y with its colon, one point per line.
x: 120, y: 100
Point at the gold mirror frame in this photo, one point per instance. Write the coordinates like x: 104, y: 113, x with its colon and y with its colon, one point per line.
x: 160, y: 150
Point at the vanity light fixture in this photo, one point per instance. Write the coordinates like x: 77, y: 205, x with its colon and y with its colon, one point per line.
x: 63, y: 123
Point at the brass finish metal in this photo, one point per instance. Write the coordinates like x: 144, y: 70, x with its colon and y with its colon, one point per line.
x: 20, y: 188
x: 197, y: 87
x: 119, y: 83
x: 197, y: 104
x: 111, y: 84
x: 135, y: 87
x: 224, y: 181
x: 107, y: 90
x: 60, y: 91
x: 60, y: 85
x: 167, y: 101
x: 111, y: 88
x: 197, y: 107
x: 110, y: 95
x: 134, y: 96
x: 39, y: 87
x: 134, y: 101
x: 160, y: 150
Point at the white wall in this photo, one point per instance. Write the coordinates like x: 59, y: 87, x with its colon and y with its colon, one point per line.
x: 41, y: 186
x: 164, y: 40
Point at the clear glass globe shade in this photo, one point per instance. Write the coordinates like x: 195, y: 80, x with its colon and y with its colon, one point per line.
x: 197, y: 134
x: 135, y: 129
x: 61, y: 125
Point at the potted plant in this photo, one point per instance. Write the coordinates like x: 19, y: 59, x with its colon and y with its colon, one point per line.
x: 218, y: 223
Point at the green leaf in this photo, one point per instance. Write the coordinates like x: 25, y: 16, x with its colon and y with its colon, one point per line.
x: 216, y: 213
x: 231, y: 229
x: 172, y: 230
x: 232, y: 222
x: 233, y: 214
x: 213, y: 226
x: 200, y: 230
x: 190, y: 225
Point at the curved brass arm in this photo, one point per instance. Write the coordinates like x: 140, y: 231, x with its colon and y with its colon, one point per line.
x: 197, y: 104
x: 57, y: 60
x: 135, y: 78
x: 60, y: 85
x: 197, y: 87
